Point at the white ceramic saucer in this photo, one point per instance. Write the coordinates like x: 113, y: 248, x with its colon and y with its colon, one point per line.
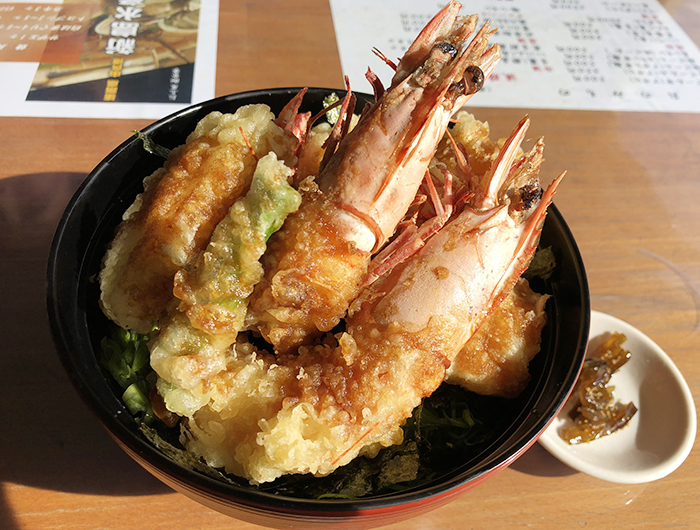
x: 661, y: 434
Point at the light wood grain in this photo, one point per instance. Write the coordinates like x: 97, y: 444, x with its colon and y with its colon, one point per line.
x: 630, y: 198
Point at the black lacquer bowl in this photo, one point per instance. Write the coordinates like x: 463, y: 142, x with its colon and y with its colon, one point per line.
x: 77, y: 323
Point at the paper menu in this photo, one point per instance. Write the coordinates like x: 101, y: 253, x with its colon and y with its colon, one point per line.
x: 559, y: 54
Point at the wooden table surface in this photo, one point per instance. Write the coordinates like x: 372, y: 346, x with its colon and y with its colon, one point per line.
x: 631, y: 198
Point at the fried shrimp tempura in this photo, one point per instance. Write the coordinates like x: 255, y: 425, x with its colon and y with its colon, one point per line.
x: 309, y: 269
x: 171, y: 222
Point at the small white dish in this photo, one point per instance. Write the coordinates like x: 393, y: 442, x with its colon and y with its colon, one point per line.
x: 660, y: 435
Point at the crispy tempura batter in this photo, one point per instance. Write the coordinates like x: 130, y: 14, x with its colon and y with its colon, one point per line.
x: 172, y: 220
x: 495, y: 360
x: 316, y: 411
x: 309, y: 269
x: 474, y: 136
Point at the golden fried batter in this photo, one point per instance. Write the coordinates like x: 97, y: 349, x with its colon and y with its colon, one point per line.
x: 311, y: 271
x: 495, y: 360
x: 314, y: 412
x: 474, y: 136
x: 173, y: 219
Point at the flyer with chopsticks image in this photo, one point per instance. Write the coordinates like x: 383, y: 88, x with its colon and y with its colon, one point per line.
x: 124, y: 58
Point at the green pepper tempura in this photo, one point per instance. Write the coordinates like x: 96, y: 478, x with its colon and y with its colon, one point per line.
x: 191, y: 346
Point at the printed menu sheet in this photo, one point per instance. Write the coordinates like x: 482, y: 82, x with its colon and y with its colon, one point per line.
x: 106, y: 58
x: 559, y: 54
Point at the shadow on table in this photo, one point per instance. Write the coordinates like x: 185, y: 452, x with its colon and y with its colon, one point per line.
x: 49, y: 440
x: 537, y: 461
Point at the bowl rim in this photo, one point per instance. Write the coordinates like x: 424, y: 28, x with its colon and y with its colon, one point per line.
x: 66, y: 344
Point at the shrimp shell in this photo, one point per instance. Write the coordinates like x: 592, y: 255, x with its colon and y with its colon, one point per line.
x: 316, y: 265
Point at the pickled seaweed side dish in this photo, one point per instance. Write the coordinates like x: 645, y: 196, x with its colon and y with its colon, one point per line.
x: 598, y: 414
